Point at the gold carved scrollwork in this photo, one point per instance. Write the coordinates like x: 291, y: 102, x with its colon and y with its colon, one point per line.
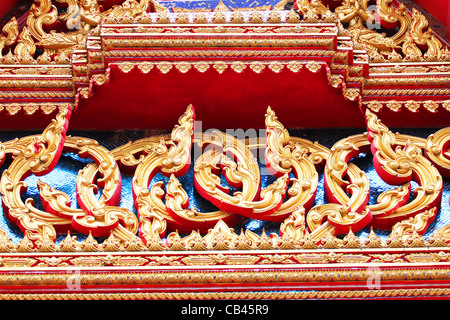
x: 365, y: 24
x: 168, y: 157
x: 346, y: 212
x: 81, y: 17
x: 97, y: 217
x: 361, y: 21
x: 436, y: 146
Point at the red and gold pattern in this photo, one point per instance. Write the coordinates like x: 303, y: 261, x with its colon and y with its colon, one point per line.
x: 405, y: 72
x: 170, y: 245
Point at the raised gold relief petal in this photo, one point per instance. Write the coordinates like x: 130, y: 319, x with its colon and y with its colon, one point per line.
x: 100, y: 79
x: 164, y: 67
x: 238, y: 66
x: 335, y: 80
x: 48, y: 108
x: 126, y: 66
x: 446, y: 105
x: 431, y: 105
x: 294, y: 66
x: 394, y: 105
x: 257, y: 66
x: 145, y: 67
x: 375, y: 106
x: 351, y: 94
x: 183, y: 67
x: 220, y: 66
x: 412, y: 105
x: 276, y: 66
x: 201, y: 66
x: 313, y: 66
x: 13, y: 108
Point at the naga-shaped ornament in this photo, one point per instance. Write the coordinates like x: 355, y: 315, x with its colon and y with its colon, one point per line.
x: 39, y: 157
x: 282, y: 158
x: 167, y: 157
x: 399, y: 164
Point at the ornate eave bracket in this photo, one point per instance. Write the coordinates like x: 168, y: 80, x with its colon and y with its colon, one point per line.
x: 304, y: 254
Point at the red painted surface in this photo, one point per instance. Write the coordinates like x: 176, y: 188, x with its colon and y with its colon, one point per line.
x: 227, y: 100
x: 448, y: 23
x: 440, y: 9
x: 7, y: 5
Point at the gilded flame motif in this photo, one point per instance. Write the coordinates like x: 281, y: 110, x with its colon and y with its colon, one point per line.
x: 164, y: 212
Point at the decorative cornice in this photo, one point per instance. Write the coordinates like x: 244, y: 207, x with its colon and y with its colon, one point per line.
x: 298, y: 282
x: 238, y: 295
x: 410, y: 105
x: 297, y: 257
x: 356, y: 55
